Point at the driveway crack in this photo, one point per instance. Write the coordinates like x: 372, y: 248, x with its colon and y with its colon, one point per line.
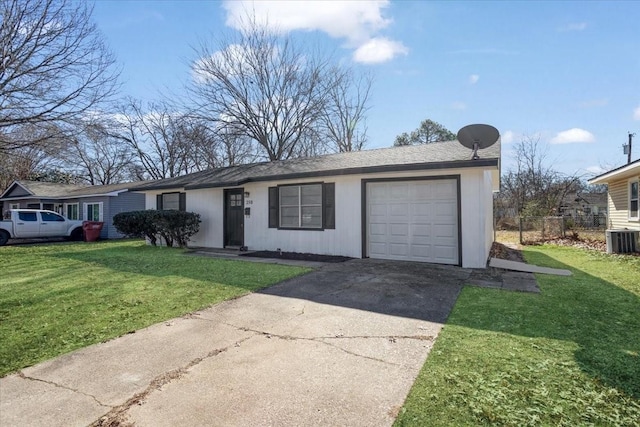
x: 118, y: 415
x: 95, y: 399
x: 321, y: 340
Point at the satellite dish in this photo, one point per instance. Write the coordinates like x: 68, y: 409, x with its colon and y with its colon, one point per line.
x: 477, y: 137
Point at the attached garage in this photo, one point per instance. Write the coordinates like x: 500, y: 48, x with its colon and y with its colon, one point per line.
x: 413, y: 220
x: 429, y: 203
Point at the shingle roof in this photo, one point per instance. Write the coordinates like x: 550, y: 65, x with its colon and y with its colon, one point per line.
x: 57, y: 190
x: 439, y: 155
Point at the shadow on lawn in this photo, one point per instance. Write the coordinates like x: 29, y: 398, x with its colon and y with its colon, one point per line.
x: 603, y: 319
x: 165, y: 262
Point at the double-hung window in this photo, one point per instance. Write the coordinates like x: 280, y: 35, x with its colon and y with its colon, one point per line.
x: 171, y: 201
x: 71, y: 210
x: 633, y: 200
x: 93, y: 211
x: 303, y: 206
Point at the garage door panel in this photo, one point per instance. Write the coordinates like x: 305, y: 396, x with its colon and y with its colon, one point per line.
x: 413, y: 220
x: 399, y: 209
x: 397, y: 249
x: 399, y: 229
x: 421, y: 251
x: 378, y: 209
x: 419, y: 209
x: 446, y: 209
x: 421, y: 191
x: 444, y: 230
x: 399, y: 191
x: 377, y: 250
x: 420, y: 230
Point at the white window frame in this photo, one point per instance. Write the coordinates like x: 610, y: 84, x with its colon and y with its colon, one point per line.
x: 14, y: 205
x: 66, y: 210
x: 300, y: 206
x: 637, y: 199
x: 85, y: 211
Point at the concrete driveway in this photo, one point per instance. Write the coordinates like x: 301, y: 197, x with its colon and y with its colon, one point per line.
x: 339, y: 346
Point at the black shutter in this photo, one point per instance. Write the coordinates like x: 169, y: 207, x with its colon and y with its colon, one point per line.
x: 329, y: 205
x: 182, y: 202
x: 159, y: 202
x: 273, y: 207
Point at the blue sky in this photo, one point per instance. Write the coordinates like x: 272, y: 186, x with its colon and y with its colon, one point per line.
x: 566, y: 72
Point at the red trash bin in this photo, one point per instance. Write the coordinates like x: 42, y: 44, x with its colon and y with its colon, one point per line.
x: 91, y: 230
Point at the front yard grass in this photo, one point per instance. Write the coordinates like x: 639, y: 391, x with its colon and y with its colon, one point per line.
x: 55, y: 298
x: 568, y: 356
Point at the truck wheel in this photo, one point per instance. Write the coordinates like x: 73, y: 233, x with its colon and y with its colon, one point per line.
x: 4, y: 237
x: 76, y: 235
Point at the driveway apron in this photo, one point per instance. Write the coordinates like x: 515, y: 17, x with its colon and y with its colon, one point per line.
x: 339, y: 346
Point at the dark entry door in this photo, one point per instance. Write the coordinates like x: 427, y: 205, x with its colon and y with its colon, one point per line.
x: 233, y: 217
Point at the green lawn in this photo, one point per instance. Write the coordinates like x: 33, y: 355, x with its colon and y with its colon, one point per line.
x: 56, y: 298
x: 569, y: 356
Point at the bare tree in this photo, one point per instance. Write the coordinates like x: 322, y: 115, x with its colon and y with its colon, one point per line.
x: 219, y: 147
x: 97, y: 156
x: 264, y: 87
x: 54, y: 67
x: 428, y: 132
x: 534, y: 188
x: 168, y: 143
x: 32, y: 162
x: 344, y: 114
x: 152, y: 135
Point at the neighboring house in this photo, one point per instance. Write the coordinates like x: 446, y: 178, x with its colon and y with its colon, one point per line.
x: 623, y: 195
x: 429, y: 203
x: 94, y: 203
x: 583, y: 204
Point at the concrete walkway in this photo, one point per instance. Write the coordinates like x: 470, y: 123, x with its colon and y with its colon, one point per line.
x: 339, y: 346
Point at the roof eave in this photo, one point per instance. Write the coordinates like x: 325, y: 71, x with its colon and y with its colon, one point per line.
x: 491, y: 162
x: 618, y: 173
x: 16, y: 182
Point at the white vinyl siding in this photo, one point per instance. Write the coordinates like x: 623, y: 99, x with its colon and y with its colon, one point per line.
x: 93, y: 211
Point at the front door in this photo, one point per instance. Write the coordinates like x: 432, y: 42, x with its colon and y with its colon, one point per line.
x: 233, y: 217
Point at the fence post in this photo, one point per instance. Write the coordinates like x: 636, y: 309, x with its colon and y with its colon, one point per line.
x: 520, y: 229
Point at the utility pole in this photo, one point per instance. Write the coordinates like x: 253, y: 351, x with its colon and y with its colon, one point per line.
x: 631, y: 135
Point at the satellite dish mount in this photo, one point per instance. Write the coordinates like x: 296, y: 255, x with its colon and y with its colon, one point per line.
x: 478, y: 137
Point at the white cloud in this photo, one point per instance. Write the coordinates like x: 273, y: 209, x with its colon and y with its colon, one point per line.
x: 458, y: 105
x: 378, y: 50
x: 574, y: 135
x: 508, y: 137
x: 473, y: 79
x: 636, y: 113
x: 357, y: 22
x: 574, y: 26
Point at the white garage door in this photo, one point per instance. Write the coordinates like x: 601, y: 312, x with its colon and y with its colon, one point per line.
x: 413, y: 220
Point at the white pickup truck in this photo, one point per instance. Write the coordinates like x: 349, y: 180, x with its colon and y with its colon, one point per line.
x: 35, y: 224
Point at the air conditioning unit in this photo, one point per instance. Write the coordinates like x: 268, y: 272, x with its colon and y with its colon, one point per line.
x: 622, y: 241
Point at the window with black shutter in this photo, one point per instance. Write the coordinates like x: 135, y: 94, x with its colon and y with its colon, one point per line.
x: 171, y: 201
x: 302, y: 206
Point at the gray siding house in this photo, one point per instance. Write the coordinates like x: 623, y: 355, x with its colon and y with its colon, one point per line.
x: 94, y: 203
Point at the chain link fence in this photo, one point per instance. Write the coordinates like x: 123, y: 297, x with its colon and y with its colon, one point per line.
x: 540, y: 229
